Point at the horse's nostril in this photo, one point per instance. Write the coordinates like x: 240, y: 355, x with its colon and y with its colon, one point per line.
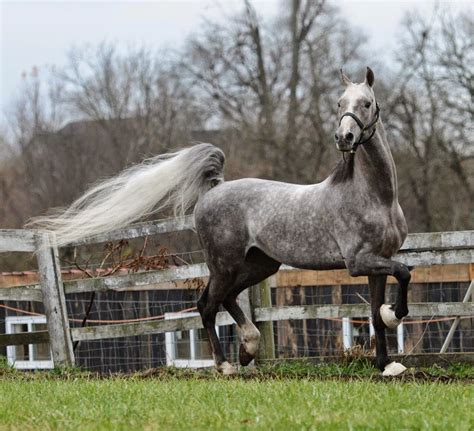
x: 337, y: 137
x: 349, y: 136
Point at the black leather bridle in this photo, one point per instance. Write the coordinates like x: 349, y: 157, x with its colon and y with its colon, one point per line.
x: 363, y: 128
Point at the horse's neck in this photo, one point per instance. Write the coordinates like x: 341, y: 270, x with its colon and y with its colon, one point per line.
x: 374, y: 161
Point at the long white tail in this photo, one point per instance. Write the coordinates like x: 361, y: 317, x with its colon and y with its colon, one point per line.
x: 174, y: 180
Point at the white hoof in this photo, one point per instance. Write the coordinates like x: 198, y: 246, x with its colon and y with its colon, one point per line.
x: 250, y: 337
x: 226, y: 369
x: 388, y: 316
x: 251, y: 346
x: 393, y: 369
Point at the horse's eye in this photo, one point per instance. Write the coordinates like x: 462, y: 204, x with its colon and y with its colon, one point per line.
x: 367, y: 105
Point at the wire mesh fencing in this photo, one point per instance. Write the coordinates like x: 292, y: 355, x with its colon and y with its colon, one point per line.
x: 292, y: 338
x: 181, y: 348
x: 332, y: 336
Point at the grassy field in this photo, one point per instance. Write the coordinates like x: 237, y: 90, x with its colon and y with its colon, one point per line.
x: 284, y: 397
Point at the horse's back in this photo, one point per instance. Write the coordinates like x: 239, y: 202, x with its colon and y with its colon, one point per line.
x: 245, y: 202
x: 228, y: 214
x: 283, y: 220
x: 243, y: 195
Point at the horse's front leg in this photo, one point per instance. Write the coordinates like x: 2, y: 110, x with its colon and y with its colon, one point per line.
x: 377, y: 298
x: 369, y: 264
x: 384, y: 316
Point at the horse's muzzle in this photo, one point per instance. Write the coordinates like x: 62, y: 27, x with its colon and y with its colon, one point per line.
x: 345, y: 144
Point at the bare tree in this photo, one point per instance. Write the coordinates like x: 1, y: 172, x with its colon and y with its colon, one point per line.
x: 302, y: 19
x: 126, y: 106
x: 432, y: 118
x: 269, y: 87
x: 268, y: 81
x: 136, y: 93
x: 34, y: 113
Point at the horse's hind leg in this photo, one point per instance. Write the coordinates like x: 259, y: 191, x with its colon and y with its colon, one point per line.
x: 208, y: 305
x: 250, y: 335
x: 256, y: 268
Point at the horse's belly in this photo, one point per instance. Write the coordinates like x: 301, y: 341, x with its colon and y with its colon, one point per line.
x: 320, y: 259
x: 319, y: 264
x: 301, y: 249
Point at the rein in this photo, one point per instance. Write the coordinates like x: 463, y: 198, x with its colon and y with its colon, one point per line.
x: 362, y: 127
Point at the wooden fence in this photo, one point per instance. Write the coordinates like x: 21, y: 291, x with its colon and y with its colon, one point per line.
x: 419, y: 250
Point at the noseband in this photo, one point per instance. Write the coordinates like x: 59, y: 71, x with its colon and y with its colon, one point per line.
x: 363, y: 128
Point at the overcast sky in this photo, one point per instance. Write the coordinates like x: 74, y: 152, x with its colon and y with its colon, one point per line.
x: 39, y: 33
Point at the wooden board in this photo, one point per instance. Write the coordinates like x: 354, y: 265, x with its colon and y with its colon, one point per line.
x: 22, y: 293
x: 182, y: 278
x: 35, y: 337
x: 14, y: 240
x: 137, y: 281
x: 263, y: 315
x: 439, y: 240
x: 145, y: 328
x: 427, y: 274
x: 142, y: 229
x: 359, y: 310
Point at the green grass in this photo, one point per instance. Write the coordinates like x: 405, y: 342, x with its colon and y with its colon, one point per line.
x: 283, y: 397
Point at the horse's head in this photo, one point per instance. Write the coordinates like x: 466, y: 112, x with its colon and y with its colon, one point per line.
x: 358, y: 113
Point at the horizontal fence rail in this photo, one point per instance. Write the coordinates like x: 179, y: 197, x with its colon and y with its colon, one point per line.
x: 170, y: 278
x: 267, y: 314
x: 140, y: 230
x: 439, y: 240
x: 358, y: 310
x: 14, y: 240
x: 36, y: 337
x: 264, y: 314
x: 23, y: 239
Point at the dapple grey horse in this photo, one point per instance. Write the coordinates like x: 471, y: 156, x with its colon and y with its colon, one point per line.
x: 249, y: 227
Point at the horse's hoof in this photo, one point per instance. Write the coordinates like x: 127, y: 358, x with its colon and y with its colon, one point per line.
x: 226, y: 369
x: 393, y: 369
x: 388, y: 316
x: 244, y: 357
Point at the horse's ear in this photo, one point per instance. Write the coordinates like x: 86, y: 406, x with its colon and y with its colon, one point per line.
x: 369, y: 77
x: 345, y: 80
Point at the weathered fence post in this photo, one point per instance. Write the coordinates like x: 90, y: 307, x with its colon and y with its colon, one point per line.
x: 260, y: 296
x: 54, y: 300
